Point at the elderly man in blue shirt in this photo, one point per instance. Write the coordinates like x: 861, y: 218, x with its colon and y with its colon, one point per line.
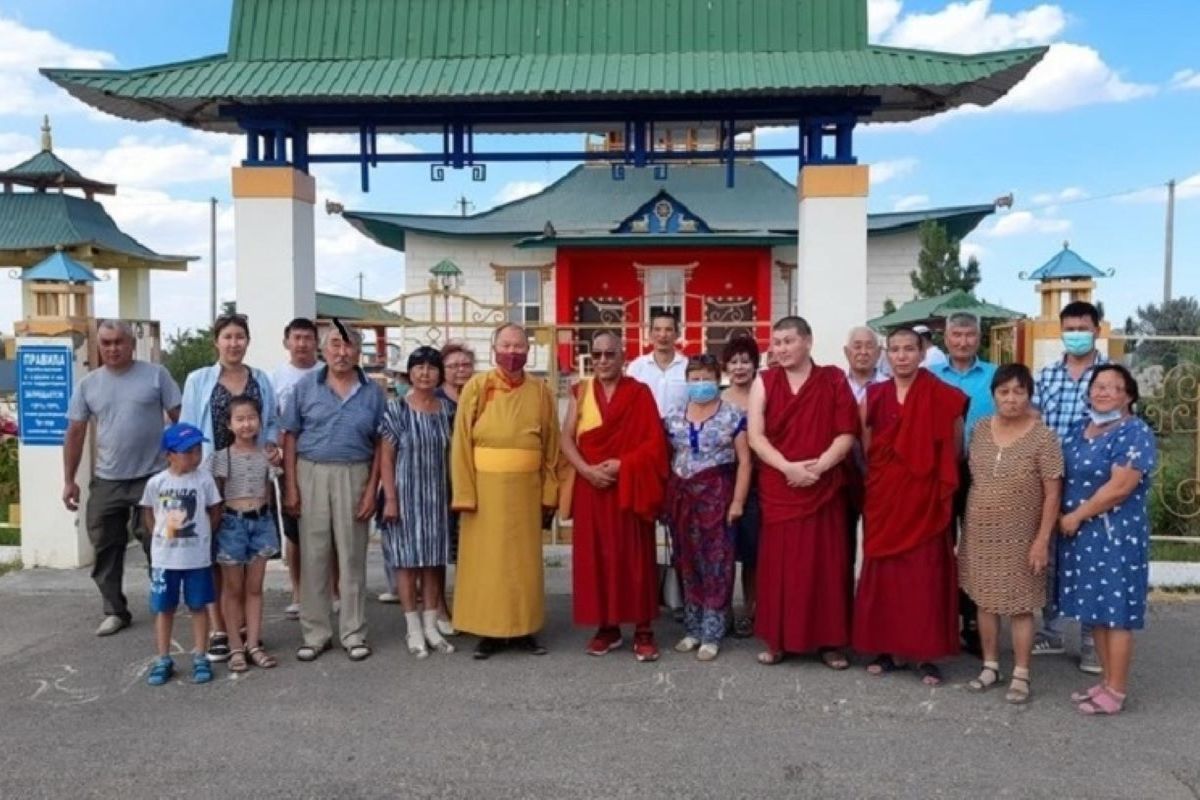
x: 965, y: 370
x: 330, y: 423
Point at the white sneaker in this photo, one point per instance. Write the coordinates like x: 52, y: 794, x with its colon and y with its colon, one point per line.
x: 111, y: 624
x: 446, y: 627
x: 707, y: 652
x: 687, y: 644
x: 388, y: 597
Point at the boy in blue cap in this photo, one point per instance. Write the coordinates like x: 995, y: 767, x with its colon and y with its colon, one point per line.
x: 182, y: 506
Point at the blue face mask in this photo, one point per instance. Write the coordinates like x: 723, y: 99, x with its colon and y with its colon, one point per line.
x: 702, y: 391
x: 1079, y: 343
x: 1104, y: 417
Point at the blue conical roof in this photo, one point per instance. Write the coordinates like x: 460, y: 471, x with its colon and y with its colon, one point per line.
x: 60, y: 267
x: 1066, y: 264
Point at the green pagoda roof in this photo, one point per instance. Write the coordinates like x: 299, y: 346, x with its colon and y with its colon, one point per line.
x: 346, y: 52
x: 1066, y: 264
x: 934, y: 308
x: 585, y: 207
x: 45, y: 171
x: 351, y: 309
x: 35, y: 224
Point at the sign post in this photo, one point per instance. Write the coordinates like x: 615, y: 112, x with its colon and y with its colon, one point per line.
x: 44, y: 383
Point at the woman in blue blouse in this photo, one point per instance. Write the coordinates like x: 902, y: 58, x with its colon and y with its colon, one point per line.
x: 1103, y: 553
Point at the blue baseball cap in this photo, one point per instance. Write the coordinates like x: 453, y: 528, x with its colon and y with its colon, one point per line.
x: 181, y: 437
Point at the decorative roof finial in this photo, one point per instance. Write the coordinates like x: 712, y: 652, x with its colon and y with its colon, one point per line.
x: 1066, y: 244
x: 47, y: 144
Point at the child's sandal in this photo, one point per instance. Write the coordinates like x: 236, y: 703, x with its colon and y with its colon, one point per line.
x: 237, y: 661
x: 261, y: 658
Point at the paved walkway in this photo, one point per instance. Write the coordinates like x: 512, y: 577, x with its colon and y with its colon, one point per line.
x: 76, y: 719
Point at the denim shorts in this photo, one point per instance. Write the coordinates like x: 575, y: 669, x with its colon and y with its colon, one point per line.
x: 198, y: 589
x: 241, y: 540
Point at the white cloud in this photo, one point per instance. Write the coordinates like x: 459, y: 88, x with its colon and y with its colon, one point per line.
x: 1071, y: 75
x: 1019, y: 223
x: 1186, y: 79
x: 971, y: 27
x: 515, y: 190
x: 23, y: 92
x: 1067, y: 195
x: 911, y: 201
x: 160, y: 161
x: 884, y: 171
x: 881, y: 16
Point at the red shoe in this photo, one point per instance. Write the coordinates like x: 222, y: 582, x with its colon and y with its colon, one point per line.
x: 605, y: 641
x: 644, y: 648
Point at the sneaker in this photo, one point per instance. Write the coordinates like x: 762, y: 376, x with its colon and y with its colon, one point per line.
x: 1089, y: 662
x: 707, y: 652
x: 446, y: 627
x: 687, y: 644
x: 644, y: 648
x: 605, y: 641
x: 389, y: 597
x: 111, y: 624
x: 201, y: 668
x: 528, y: 644
x: 1045, y: 644
x: 218, y: 646
x: 292, y: 611
x: 161, y: 672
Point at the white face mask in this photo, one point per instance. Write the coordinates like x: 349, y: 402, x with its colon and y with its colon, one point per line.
x: 1104, y: 417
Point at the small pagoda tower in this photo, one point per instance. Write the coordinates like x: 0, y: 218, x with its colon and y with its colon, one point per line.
x: 1063, y: 279
x: 48, y: 207
x: 58, y: 297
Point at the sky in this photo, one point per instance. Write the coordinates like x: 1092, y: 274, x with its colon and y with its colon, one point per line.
x: 1086, y: 145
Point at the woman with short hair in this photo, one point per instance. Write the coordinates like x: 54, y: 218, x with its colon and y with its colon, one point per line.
x: 1012, y: 508
x: 1103, y: 564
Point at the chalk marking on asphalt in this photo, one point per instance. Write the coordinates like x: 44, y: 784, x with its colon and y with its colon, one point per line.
x: 729, y: 681
x: 48, y: 683
x: 664, y: 679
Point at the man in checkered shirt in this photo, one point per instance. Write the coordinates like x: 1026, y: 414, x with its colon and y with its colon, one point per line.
x: 1061, y: 396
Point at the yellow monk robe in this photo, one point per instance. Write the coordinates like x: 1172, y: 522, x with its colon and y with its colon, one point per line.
x: 503, y: 463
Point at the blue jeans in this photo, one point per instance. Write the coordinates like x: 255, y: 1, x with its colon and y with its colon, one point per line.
x: 241, y: 539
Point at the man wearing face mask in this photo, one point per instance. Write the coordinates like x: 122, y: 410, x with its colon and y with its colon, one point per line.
x: 1061, y: 396
x: 612, y: 435
x: 503, y: 465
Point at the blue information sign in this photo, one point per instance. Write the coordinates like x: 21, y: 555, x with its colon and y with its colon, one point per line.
x: 44, y: 384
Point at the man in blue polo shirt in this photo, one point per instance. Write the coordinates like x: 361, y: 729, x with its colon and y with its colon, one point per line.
x: 330, y: 423
x: 964, y: 370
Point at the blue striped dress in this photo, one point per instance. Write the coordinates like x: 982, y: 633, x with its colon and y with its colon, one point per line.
x: 421, y: 536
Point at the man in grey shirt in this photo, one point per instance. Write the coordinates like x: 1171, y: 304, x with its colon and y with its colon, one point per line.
x: 127, y: 398
x: 330, y: 428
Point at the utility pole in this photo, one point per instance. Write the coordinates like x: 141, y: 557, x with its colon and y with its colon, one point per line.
x: 1170, y: 246
x: 463, y: 204
x: 212, y: 258
x: 360, y: 286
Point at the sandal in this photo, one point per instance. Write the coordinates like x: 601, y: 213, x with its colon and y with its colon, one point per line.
x: 834, y: 659
x: 882, y: 665
x: 1087, y: 694
x: 218, y: 646
x: 261, y: 658
x: 310, y: 653
x: 416, y: 644
x: 769, y: 658
x: 930, y: 674
x: 1105, y: 703
x: 201, y: 669
x: 1019, y: 689
x: 989, y: 676
x: 358, y: 652
x: 237, y: 661
x: 161, y: 672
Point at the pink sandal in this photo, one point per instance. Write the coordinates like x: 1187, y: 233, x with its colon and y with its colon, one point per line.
x: 1087, y: 694
x: 1106, y: 702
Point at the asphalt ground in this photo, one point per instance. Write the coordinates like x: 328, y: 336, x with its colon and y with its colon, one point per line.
x: 78, y: 720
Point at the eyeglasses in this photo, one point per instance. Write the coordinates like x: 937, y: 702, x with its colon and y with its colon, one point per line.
x: 604, y: 355
x: 225, y: 319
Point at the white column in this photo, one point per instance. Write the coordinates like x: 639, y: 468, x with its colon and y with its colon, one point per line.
x: 52, y: 536
x: 133, y: 293
x: 831, y: 254
x: 275, y: 250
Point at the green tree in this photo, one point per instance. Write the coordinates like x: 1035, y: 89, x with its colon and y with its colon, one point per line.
x: 889, y: 306
x: 188, y: 350
x: 939, y: 268
x: 1178, y: 317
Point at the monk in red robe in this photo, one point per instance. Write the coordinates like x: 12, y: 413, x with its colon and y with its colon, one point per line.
x: 906, y: 609
x: 802, y: 425
x: 614, y: 438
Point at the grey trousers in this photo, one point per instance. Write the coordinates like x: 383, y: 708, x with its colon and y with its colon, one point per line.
x: 328, y: 499
x: 112, y: 515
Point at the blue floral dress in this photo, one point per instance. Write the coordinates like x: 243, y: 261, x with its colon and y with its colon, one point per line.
x: 1103, y: 571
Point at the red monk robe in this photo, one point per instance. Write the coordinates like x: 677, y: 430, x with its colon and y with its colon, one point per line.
x: 803, y: 600
x: 613, y: 558
x: 907, y: 602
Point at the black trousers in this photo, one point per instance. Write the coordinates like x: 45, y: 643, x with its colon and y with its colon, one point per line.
x: 113, y: 513
x: 966, y: 606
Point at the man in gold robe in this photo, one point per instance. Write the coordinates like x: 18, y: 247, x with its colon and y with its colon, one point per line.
x: 503, y: 464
